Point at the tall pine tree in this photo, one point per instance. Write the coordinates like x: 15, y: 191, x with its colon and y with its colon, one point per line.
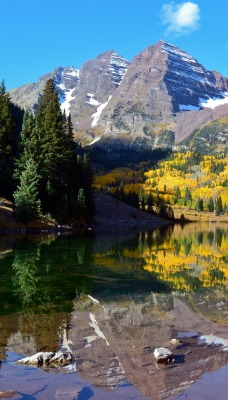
x: 218, y: 206
x: 54, y: 153
x: 26, y: 145
x: 7, y: 143
x: 26, y: 201
x: 48, y: 140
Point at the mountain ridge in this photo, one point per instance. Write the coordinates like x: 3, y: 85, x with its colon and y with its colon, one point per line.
x: 157, y: 99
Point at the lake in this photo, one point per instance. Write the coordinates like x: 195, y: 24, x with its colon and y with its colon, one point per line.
x: 111, y: 299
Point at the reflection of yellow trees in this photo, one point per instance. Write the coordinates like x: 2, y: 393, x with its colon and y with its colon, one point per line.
x: 190, y: 260
x: 186, y: 258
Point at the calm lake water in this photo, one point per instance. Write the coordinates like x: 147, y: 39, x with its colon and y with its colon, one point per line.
x: 111, y: 299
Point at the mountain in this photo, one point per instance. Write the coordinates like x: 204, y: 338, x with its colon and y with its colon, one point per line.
x: 28, y: 96
x: 212, y: 137
x: 158, y: 99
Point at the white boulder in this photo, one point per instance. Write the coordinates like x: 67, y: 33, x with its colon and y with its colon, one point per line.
x: 163, y: 355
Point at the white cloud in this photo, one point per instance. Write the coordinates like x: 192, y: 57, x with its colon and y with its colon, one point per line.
x: 181, y: 18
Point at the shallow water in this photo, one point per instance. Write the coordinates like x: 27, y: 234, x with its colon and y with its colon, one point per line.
x: 111, y: 299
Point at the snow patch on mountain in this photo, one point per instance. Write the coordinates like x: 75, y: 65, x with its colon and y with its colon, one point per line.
x: 95, y: 140
x: 66, y: 80
x: 210, y: 102
x: 66, y: 103
x: 91, y: 100
x: 62, y: 76
x: 185, y: 66
x: 172, y: 50
x: 71, y: 71
x: 118, y: 67
x: 214, y: 101
x: 97, y: 114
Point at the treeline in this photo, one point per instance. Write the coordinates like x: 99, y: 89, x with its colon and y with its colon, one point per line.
x: 10, y: 125
x: 40, y: 168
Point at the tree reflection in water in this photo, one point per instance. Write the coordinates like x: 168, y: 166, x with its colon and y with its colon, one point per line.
x: 26, y: 279
x: 45, y: 283
x: 50, y: 274
x: 189, y: 258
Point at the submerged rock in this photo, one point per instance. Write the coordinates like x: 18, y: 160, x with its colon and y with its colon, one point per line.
x: 163, y: 355
x: 7, y: 394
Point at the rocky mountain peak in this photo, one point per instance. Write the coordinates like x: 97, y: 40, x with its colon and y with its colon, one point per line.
x: 157, y: 99
x: 188, y: 81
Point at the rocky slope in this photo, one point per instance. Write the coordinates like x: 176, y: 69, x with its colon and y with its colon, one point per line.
x: 212, y: 137
x: 112, y: 214
x: 158, y: 99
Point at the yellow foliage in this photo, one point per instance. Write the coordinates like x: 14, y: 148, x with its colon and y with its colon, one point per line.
x: 188, y: 258
x: 181, y: 172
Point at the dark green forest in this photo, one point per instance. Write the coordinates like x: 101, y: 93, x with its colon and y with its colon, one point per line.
x: 40, y: 167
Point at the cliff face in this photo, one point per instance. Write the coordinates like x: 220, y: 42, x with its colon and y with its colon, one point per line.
x: 142, y: 100
x: 156, y: 100
x: 98, y: 80
x: 188, y: 82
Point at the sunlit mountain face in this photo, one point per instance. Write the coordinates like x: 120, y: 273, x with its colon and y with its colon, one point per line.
x: 158, y: 99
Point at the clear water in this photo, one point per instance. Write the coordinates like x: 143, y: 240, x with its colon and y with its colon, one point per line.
x: 113, y: 296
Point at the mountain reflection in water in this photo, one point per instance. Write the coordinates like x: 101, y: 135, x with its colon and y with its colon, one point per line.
x: 115, y: 297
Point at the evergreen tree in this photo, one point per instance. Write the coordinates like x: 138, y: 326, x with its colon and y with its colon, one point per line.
x: 177, y: 193
x: 163, y: 210
x: 187, y: 196
x: 218, y: 206
x: 26, y: 144
x: 199, y: 204
x: 56, y: 157
x: 85, y: 181
x: 48, y: 135
x: 142, y: 199
x: 132, y: 198
x: 210, y: 205
x: 48, y: 140
x: 7, y: 143
x: 150, y: 203
x: 81, y: 203
x: 27, y: 204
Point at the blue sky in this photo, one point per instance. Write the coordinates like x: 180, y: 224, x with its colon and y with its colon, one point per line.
x: 37, y: 36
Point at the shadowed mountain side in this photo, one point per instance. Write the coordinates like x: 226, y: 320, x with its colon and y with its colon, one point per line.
x: 111, y: 213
